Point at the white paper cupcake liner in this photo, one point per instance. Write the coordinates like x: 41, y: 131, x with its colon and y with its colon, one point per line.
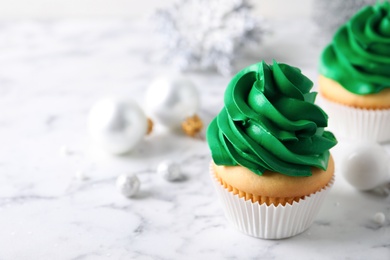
x: 270, y: 222
x: 357, y: 124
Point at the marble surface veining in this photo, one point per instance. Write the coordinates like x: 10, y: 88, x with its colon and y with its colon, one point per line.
x: 51, y: 72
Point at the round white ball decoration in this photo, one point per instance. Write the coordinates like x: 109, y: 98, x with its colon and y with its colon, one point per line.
x: 380, y: 218
x: 170, y: 100
x: 81, y: 175
x: 117, y: 125
x: 365, y: 166
x: 169, y: 170
x: 128, y: 184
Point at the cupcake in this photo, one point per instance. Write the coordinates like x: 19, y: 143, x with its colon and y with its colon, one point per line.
x: 354, y: 81
x: 271, y: 164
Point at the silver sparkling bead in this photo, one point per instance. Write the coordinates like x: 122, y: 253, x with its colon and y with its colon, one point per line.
x: 170, y: 100
x: 169, y: 171
x: 117, y: 125
x: 128, y: 184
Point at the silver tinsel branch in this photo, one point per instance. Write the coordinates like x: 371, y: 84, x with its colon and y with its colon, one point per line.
x: 329, y: 15
x: 205, y: 34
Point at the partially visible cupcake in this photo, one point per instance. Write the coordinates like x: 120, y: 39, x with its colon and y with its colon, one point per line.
x: 354, y: 80
x: 271, y: 162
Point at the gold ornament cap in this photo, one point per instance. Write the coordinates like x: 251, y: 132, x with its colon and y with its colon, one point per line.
x: 192, y: 125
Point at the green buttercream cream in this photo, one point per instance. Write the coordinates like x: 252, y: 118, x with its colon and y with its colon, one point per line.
x: 270, y: 122
x: 359, y: 55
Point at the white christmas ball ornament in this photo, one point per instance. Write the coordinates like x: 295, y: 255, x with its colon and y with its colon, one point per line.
x: 128, y: 184
x: 117, y: 125
x: 365, y: 166
x: 170, y: 101
x: 169, y: 170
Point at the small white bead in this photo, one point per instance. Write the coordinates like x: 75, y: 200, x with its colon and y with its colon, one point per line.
x: 80, y: 175
x: 128, y: 184
x: 64, y: 151
x: 380, y: 218
x: 169, y: 170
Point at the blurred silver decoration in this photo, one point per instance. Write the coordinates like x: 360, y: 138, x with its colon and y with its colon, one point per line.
x: 379, y: 218
x: 169, y: 170
x: 117, y: 125
x: 206, y: 34
x: 81, y: 175
x: 65, y: 151
x: 365, y: 166
x: 170, y: 101
x: 128, y: 185
x: 329, y: 15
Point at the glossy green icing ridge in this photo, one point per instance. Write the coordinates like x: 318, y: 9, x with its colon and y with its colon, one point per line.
x: 359, y: 55
x: 270, y: 122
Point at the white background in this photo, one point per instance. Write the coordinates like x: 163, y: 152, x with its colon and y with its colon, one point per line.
x: 47, y: 9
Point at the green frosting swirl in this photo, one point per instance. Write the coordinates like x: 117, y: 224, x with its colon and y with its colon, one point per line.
x: 359, y: 55
x: 270, y: 122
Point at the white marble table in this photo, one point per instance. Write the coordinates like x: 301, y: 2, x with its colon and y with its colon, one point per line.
x: 51, y: 72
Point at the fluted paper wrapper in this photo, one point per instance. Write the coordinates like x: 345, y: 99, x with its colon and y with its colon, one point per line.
x: 355, y: 123
x: 270, y: 222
